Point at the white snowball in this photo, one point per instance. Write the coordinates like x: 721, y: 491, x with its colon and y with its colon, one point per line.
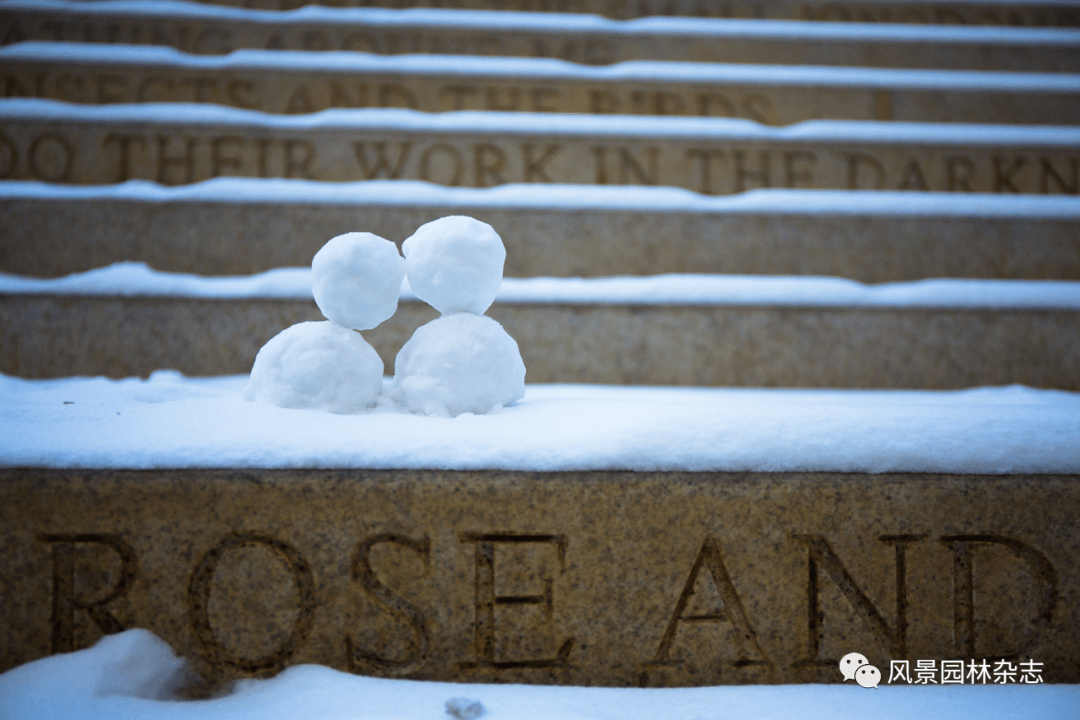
x: 459, y: 363
x: 455, y: 264
x: 317, y: 366
x: 356, y: 279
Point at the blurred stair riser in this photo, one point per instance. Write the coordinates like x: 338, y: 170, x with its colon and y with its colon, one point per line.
x: 285, y: 88
x: 208, y: 33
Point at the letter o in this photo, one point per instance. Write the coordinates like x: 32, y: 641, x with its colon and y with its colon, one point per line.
x: 199, y: 587
x: 9, y: 157
x: 35, y: 160
x: 449, y: 150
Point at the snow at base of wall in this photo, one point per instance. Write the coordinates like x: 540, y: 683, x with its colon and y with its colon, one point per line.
x: 127, y: 677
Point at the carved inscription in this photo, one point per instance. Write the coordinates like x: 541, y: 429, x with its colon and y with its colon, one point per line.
x: 201, y: 585
x: 514, y: 574
x: 464, y: 159
x: 67, y: 598
x: 964, y: 551
x: 358, y: 659
x: 487, y: 599
x: 823, y: 558
x: 731, y: 612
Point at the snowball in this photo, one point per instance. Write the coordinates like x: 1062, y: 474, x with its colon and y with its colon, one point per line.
x: 459, y: 363
x: 356, y: 279
x: 455, y: 264
x: 318, y: 366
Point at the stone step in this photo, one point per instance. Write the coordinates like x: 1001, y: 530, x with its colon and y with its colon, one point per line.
x: 667, y: 330
x: 184, y: 143
x: 586, y: 39
x: 245, y: 226
x: 1016, y: 12
x: 585, y: 536
x: 286, y: 82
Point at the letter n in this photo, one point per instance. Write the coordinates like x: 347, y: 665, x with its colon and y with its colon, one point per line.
x: 748, y: 650
x: 65, y: 599
x: 821, y: 558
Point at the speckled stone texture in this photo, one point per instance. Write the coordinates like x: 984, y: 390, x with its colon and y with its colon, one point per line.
x: 209, y: 35
x: 633, y: 345
x: 285, y: 89
x: 47, y: 237
x: 597, y: 578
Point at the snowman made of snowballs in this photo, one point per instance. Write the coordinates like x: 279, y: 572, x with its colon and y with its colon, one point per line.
x: 461, y: 362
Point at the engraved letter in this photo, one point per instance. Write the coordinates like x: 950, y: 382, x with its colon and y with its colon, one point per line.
x: 489, y: 160
x: 448, y: 150
x: 822, y: 556
x: 185, y: 161
x: 534, y: 168
x: 65, y: 602
x: 794, y: 175
x: 457, y: 94
x: 298, y: 164
x: 742, y: 174
x: 749, y: 651
x: 382, y: 167
x: 857, y: 160
x: 357, y: 659
x: 958, y: 173
x: 912, y: 177
x: 218, y: 160
x: 603, y: 102
x: 110, y: 89
x: 511, y: 104
x: 145, y: 91
x: 628, y: 164
x: 963, y: 548
x: 706, y: 157
x: 9, y: 156
x: 707, y: 101
x: 396, y: 96
x: 50, y: 158
x: 123, y: 165
x: 299, y: 101
x: 234, y: 89
x: 201, y: 584
x: 1048, y: 171
x: 486, y: 599
x: 540, y: 96
x: 1004, y: 175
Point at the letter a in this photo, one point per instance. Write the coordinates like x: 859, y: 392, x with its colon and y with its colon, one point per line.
x: 749, y: 651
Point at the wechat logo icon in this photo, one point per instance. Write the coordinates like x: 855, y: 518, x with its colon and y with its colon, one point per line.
x: 855, y: 666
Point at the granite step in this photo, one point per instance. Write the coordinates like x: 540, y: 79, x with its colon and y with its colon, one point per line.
x: 204, y: 29
x: 245, y: 226
x: 941, y: 12
x: 184, y: 143
x: 288, y: 82
x: 662, y: 330
x: 585, y: 536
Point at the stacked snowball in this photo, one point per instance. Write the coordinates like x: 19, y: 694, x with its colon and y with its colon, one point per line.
x: 462, y: 362
x: 356, y: 280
